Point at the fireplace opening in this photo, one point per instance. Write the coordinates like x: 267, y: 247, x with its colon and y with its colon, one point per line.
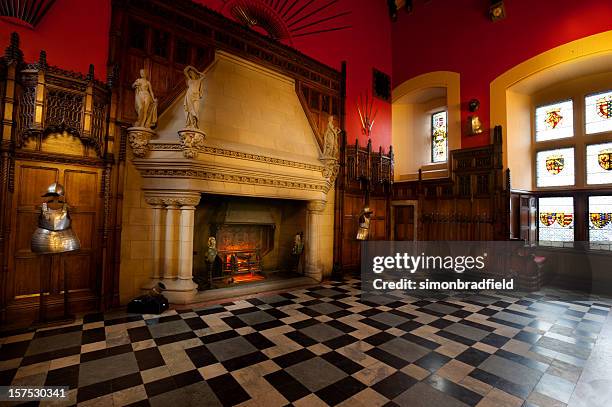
x: 255, y: 240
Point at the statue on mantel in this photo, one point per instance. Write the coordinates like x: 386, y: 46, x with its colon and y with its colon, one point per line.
x: 195, y: 92
x: 330, y: 141
x: 145, y: 102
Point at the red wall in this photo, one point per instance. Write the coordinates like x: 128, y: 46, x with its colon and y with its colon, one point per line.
x: 367, y: 45
x: 458, y: 36
x: 75, y: 33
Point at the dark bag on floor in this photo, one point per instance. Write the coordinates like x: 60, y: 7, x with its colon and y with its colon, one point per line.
x: 152, y: 303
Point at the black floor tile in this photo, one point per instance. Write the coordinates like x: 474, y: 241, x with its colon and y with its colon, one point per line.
x: 93, y: 335
x: 292, y: 358
x: 66, y: 376
x: 394, y: 385
x: 472, y: 356
x: 387, y: 358
x: 432, y: 361
x: 340, y: 391
x: 286, y: 385
x: 452, y: 389
x: 201, y: 356
x: 149, y: 358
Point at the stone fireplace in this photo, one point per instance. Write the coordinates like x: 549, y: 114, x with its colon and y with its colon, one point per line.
x: 256, y: 180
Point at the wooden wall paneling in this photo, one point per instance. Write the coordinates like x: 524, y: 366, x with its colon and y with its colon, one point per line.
x: 365, y: 179
x: 82, y: 267
x: 58, y: 127
x: 471, y: 204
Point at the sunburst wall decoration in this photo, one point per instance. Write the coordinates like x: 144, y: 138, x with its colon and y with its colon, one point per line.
x: 288, y: 19
x: 29, y: 12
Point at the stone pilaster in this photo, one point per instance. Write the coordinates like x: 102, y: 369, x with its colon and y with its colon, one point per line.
x: 158, y: 237
x: 313, y: 267
x: 171, y: 242
x: 185, y: 266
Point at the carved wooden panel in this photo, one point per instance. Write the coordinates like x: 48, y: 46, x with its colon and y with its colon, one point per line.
x: 353, y: 205
x: 58, y: 131
x: 378, y: 224
x: 404, y: 222
x: 82, y: 267
x: 318, y: 104
x: 473, y: 203
x: 50, y: 100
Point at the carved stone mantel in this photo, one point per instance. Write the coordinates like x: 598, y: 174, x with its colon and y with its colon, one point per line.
x: 173, y: 198
x: 170, y: 170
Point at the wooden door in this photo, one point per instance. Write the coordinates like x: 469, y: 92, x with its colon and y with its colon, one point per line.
x: 353, y: 205
x: 404, y: 222
x: 28, y: 270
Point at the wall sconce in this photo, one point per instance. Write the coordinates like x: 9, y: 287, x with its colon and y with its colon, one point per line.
x: 497, y: 11
x: 473, y: 121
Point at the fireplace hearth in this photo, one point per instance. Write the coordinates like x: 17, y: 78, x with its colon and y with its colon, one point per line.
x: 254, y: 239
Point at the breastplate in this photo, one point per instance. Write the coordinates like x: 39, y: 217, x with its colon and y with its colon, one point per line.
x: 54, y: 234
x: 54, y: 219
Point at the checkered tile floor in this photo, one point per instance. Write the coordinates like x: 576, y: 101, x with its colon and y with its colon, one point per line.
x: 319, y: 346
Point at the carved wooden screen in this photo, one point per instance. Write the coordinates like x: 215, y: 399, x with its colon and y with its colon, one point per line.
x: 163, y: 54
x: 82, y: 267
x: 61, y: 130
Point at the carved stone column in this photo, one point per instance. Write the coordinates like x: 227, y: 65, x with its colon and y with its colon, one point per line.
x: 170, y: 269
x: 173, y: 224
x: 313, y: 266
x: 186, y: 243
x: 158, y: 237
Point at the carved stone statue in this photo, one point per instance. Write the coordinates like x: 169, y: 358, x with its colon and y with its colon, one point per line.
x: 364, y: 224
x: 145, y: 102
x: 330, y: 141
x: 195, y: 92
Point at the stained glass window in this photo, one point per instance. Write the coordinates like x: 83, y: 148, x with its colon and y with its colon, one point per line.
x: 554, y: 121
x: 599, y: 163
x: 439, y: 137
x: 556, y: 219
x: 600, y: 219
x: 555, y: 167
x: 598, y: 112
